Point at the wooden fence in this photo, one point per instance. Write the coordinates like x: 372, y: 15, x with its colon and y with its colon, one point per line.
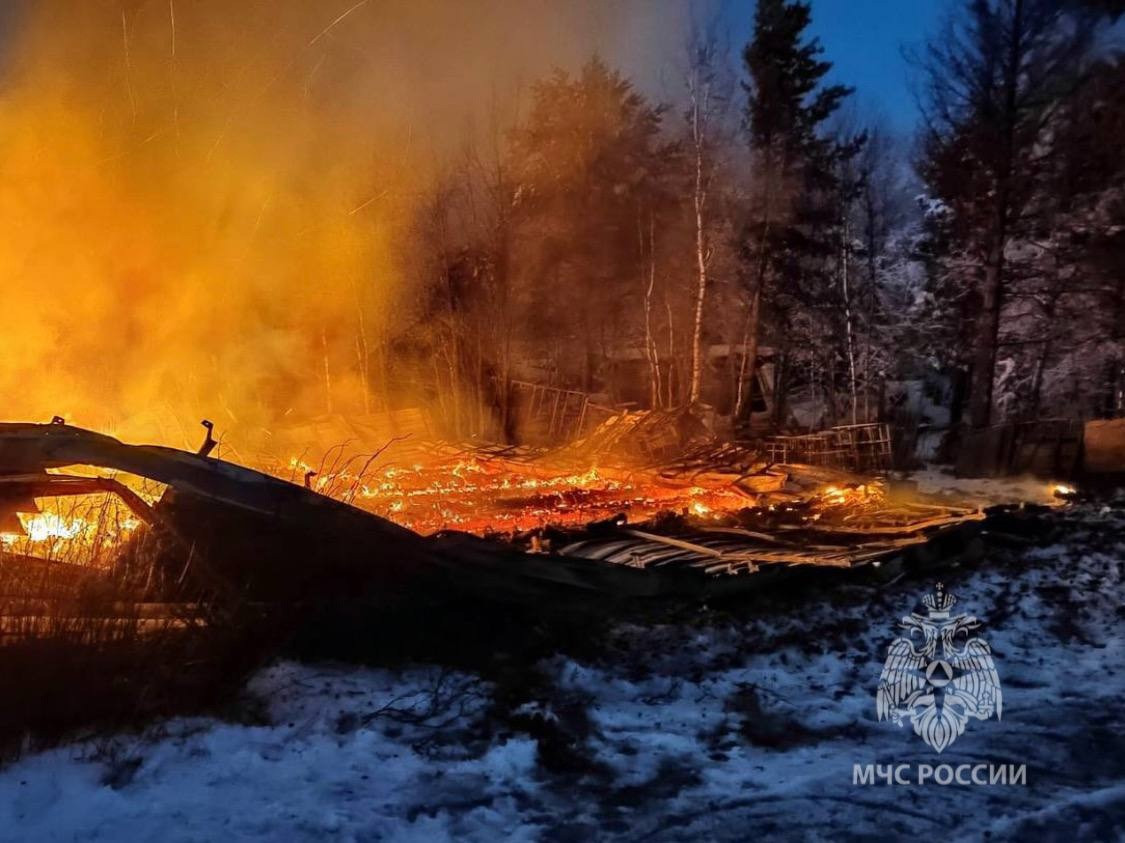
x: 854, y: 447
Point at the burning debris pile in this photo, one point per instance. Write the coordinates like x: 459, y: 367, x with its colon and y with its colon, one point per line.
x: 664, y: 495
x: 813, y: 518
x: 142, y: 555
x: 699, y: 517
x: 623, y: 465
x: 489, y: 492
x: 637, y: 464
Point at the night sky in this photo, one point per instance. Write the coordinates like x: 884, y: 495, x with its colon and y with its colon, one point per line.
x: 863, y: 39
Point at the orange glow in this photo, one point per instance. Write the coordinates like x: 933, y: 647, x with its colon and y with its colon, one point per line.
x: 851, y: 495
x: 210, y: 209
x: 216, y: 217
x: 180, y: 237
x: 75, y: 530
x: 482, y: 495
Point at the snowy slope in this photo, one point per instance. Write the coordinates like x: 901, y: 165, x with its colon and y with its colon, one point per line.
x: 734, y: 725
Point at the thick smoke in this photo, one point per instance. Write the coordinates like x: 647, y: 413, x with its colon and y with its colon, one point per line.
x: 205, y: 204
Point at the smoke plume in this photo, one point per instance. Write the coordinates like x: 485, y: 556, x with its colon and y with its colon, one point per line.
x: 205, y: 204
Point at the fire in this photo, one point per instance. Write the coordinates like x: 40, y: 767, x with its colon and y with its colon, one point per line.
x: 474, y: 492
x: 50, y: 525
x: 853, y: 495
x: 176, y: 207
x: 77, y: 529
x: 1061, y: 490
x: 51, y: 528
x: 479, y: 494
x: 482, y: 494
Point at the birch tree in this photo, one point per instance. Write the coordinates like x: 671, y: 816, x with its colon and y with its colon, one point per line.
x: 708, y: 97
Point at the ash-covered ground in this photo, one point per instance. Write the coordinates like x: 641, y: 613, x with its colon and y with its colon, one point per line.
x: 724, y: 724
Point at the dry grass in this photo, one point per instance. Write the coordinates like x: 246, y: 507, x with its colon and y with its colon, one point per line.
x: 95, y: 636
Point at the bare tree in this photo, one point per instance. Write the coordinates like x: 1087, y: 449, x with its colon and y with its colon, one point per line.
x: 708, y: 90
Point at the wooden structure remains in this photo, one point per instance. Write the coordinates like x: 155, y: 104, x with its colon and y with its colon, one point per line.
x: 547, y: 415
x: 246, y: 536
x: 852, y: 447
x: 735, y: 558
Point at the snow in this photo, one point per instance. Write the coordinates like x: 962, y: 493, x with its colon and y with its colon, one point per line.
x: 987, y: 490
x: 312, y: 772
x: 737, y: 723
x: 928, y: 399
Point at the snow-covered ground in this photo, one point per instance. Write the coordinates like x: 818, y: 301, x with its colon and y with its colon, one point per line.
x: 737, y: 724
x: 987, y: 490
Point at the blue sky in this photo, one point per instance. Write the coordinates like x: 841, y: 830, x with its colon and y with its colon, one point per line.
x: 863, y: 39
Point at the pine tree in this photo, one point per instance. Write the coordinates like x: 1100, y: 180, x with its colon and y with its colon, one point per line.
x: 994, y: 80
x: 792, y: 159
x: 587, y: 159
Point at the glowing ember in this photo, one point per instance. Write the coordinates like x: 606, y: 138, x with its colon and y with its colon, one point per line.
x: 49, y: 525
x: 76, y: 529
x: 473, y: 493
x: 699, y: 509
x: 478, y: 495
x: 851, y: 495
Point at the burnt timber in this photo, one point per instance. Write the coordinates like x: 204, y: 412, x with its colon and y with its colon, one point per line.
x: 246, y: 535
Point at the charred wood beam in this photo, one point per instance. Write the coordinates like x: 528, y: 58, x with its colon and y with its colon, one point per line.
x: 62, y: 485
x: 35, y: 448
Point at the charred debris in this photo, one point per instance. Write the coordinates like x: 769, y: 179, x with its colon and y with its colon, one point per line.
x: 205, y: 570
x: 223, y: 535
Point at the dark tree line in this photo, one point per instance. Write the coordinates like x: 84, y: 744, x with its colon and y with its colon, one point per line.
x: 664, y: 255
x: 1023, y: 111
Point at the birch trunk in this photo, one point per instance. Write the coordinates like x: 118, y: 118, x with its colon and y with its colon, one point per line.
x: 650, y: 343
x: 698, y: 107
x: 848, y: 318
x: 670, y: 398
x: 750, y: 356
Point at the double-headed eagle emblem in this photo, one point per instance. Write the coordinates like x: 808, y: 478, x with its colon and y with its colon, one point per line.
x: 938, y: 674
